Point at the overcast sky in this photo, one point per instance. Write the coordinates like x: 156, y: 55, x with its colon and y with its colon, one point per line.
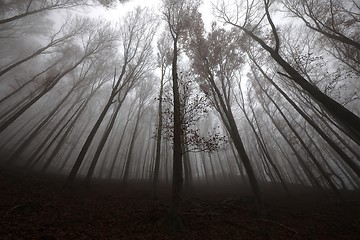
x: 121, y: 9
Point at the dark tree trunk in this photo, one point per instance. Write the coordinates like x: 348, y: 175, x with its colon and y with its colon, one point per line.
x: 174, y: 213
x: 129, y: 157
x: 264, y: 149
x: 47, y: 138
x: 303, y: 144
x: 28, y: 82
x: 49, y: 160
x: 338, y: 150
x: 18, y: 113
x: 343, y: 116
x: 69, y: 153
x: 48, y: 87
x: 71, y: 177
x: 235, y: 136
x: 13, y: 158
x: 112, y: 167
x: 115, y: 91
x: 158, y: 139
x: 102, y: 144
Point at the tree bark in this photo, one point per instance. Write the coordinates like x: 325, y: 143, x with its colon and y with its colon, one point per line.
x: 333, y: 145
x: 102, y: 144
x: 343, y: 116
x: 158, y: 138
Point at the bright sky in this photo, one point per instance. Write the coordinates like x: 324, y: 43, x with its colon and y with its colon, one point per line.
x: 121, y: 9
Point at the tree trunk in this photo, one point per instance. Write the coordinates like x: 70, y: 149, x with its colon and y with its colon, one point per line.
x: 13, y: 158
x: 102, y: 144
x: 173, y: 218
x: 112, y: 167
x: 343, y: 116
x: 47, y: 138
x: 71, y: 177
x: 131, y: 146
x: 48, y: 87
x: 158, y: 140
x: 235, y: 136
x: 338, y: 150
x: 264, y: 149
x: 311, y: 155
x: 49, y: 160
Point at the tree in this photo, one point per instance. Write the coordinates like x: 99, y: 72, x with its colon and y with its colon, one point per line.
x: 331, y: 18
x: 95, y: 40
x: 252, y: 19
x: 216, y: 61
x: 317, y: 128
x: 178, y: 16
x: 143, y: 93
x: 100, y: 79
x: 164, y: 60
x: 295, y: 132
x: 259, y: 136
x: 62, y: 36
x: 18, y: 9
x: 195, y: 110
x: 137, y: 35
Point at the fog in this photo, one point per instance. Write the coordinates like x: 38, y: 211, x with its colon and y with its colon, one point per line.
x: 176, y: 119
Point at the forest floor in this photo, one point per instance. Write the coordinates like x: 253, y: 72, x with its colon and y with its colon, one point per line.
x: 35, y: 207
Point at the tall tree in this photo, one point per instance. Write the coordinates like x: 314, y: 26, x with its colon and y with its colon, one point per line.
x: 18, y: 9
x: 61, y: 36
x: 252, y: 16
x: 137, y: 34
x: 178, y: 16
x: 94, y: 42
x: 143, y: 94
x: 164, y: 60
x: 216, y: 61
x: 331, y: 18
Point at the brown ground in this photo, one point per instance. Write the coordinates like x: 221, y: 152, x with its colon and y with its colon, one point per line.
x: 35, y: 207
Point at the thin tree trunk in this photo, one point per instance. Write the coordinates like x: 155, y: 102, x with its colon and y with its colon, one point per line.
x: 115, y: 91
x: 264, y: 149
x: 129, y: 157
x: 48, y: 87
x: 343, y: 116
x: 70, y: 179
x: 311, y: 155
x: 49, y: 160
x: 102, y: 144
x: 235, y: 136
x: 112, y: 167
x: 47, y: 138
x: 13, y: 158
x: 158, y: 140
x: 174, y: 213
x: 68, y: 155
x: 337, y: 149
x: 28, y: 82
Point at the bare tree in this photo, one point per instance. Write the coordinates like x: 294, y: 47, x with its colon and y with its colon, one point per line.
x: 323, y: 134
x: 252, y: 18
x: 61, y: 36
x: 335, y: 19
x: 143, y: 94
x: 14, y: 10
x: 94, y: 41
x: 137, y: 34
